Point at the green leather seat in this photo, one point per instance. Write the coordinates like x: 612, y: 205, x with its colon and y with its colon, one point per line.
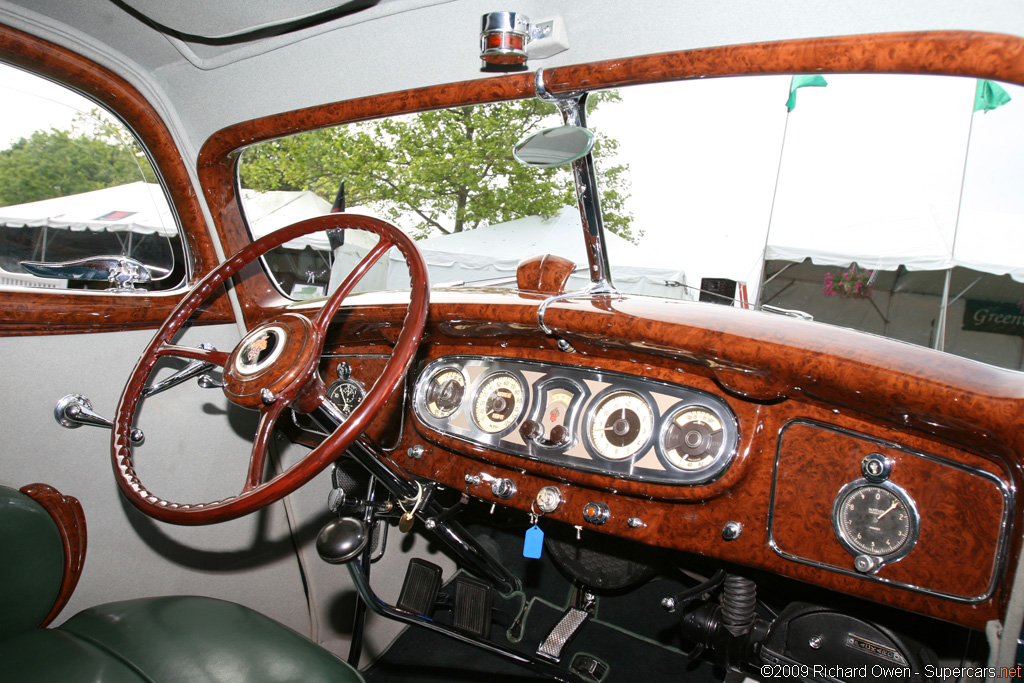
x: 186, y: 639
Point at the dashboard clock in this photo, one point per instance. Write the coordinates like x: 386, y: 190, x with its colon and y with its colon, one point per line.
x: 876, y: 521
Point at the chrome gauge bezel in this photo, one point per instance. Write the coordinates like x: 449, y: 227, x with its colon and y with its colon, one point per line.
x: 425, y: 390
x: 539, y: 403
x: 422, y: 386
x: 719, y: 461
x: 599, y: 400
x: 842, y: 534
x: 514, y: 419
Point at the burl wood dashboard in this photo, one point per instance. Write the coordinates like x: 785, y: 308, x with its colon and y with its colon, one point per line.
x: 851, y: 462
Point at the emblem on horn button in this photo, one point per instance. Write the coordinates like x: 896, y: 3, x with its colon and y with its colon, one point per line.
x: 260, y: 349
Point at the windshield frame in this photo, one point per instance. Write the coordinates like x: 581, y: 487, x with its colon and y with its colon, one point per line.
x: 980, y: 55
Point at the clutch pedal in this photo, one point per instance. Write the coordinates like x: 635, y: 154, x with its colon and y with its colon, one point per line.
x: 419, y: 590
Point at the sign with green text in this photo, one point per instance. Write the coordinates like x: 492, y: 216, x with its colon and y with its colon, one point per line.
x: 994, y: 316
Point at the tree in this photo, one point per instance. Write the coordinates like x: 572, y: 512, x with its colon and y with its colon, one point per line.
x: 91, y: 155
x: 451, y: 169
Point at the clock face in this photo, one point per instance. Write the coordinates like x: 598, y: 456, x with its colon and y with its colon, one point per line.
x: 875, y: 519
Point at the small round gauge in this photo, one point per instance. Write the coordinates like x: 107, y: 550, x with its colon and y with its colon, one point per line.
x: 444, y: 392
x: 875, y: 519
x: 692, y: 439
x: 620, y: 425
x: 499, y: 402
x: 346, y: 394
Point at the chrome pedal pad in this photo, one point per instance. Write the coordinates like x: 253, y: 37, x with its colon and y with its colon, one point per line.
x: 564, y: 631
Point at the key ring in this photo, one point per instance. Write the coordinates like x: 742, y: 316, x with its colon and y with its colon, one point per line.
x: 415, y: 503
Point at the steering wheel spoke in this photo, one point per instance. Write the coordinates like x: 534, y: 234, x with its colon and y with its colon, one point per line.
x: 272, y: 369
x: 219, y: 358
x: 260, y: 444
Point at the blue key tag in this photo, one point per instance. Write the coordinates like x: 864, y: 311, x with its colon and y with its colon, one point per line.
x: 533, y: 544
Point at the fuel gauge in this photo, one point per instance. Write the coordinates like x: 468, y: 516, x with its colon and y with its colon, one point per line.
x: 552, y: 423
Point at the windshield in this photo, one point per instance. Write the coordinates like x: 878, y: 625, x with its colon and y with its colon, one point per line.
x: 883, y: 203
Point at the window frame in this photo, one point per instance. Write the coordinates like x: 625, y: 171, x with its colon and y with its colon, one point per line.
x: 47, y: 311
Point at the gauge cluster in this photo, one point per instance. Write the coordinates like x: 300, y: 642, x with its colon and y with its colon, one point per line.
x: 591, y: 420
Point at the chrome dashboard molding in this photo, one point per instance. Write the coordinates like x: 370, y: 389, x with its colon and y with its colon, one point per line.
x: 476, y: 369
x: 999, y: 560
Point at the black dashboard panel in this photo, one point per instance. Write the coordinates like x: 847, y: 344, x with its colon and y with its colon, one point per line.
x: 581, y: 418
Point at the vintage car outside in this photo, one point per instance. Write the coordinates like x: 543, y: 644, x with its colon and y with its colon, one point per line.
x: 592, y: 343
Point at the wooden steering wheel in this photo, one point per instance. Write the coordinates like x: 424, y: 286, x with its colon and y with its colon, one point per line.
x: 273, y: 368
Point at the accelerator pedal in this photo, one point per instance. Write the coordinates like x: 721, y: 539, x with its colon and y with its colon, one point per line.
x: 473, y: 601
x: 419, y: 590
x: 564, y: 631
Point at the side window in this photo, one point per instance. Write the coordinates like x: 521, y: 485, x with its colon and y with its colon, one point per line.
x: 78, y: 196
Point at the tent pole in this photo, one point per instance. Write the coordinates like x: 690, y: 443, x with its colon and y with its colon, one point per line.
x: 940, y: 336
x: 771, y: 213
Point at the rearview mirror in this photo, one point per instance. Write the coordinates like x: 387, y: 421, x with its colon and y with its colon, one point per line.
x: 553, y: 147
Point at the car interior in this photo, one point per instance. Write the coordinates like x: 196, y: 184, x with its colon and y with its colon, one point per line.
x: 426, y: 340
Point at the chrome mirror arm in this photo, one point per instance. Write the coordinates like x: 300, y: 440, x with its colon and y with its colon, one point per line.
x: 574, y: 113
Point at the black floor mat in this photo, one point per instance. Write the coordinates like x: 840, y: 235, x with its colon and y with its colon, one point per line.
x: 630, y: 633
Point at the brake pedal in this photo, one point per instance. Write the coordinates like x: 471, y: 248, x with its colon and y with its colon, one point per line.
x: 472, y: 613
x: 564, y: 631
x: 420, y: 588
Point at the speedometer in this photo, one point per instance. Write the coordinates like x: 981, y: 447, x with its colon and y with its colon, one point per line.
x: 499, y: 402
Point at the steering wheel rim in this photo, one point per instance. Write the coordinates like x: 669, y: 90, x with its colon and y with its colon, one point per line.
x: 290, y: 375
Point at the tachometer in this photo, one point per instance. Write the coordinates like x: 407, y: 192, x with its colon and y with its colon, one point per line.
x: 499, y: 402
x: 620, y: 425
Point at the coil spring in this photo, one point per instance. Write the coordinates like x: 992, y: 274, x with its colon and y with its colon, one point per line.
x: 739, y: 599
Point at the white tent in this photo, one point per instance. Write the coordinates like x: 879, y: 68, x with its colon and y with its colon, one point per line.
x: 493, y: 252
x: 140, y: 208
x: 990, y: 243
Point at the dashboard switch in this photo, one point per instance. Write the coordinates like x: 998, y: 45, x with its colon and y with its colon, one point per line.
x: 548, y: 499
x: 596, y: 513
x: 531, y: 430
x: 503, y: 488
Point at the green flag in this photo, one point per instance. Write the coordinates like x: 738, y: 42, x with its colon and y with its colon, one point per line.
x: 989, y: 95
x: 802, y: 82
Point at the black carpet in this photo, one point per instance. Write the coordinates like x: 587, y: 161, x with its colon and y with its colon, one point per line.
x: 630, y: 632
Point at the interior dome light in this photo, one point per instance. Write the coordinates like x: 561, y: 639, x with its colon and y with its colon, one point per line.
x: 503, y: 38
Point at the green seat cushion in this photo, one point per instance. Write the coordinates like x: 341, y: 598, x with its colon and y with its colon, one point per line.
x: 46, y: 656
x: 194, y: 639
x: 31, y: 562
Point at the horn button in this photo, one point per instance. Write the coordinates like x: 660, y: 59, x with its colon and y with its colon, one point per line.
x: 272, y: 357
